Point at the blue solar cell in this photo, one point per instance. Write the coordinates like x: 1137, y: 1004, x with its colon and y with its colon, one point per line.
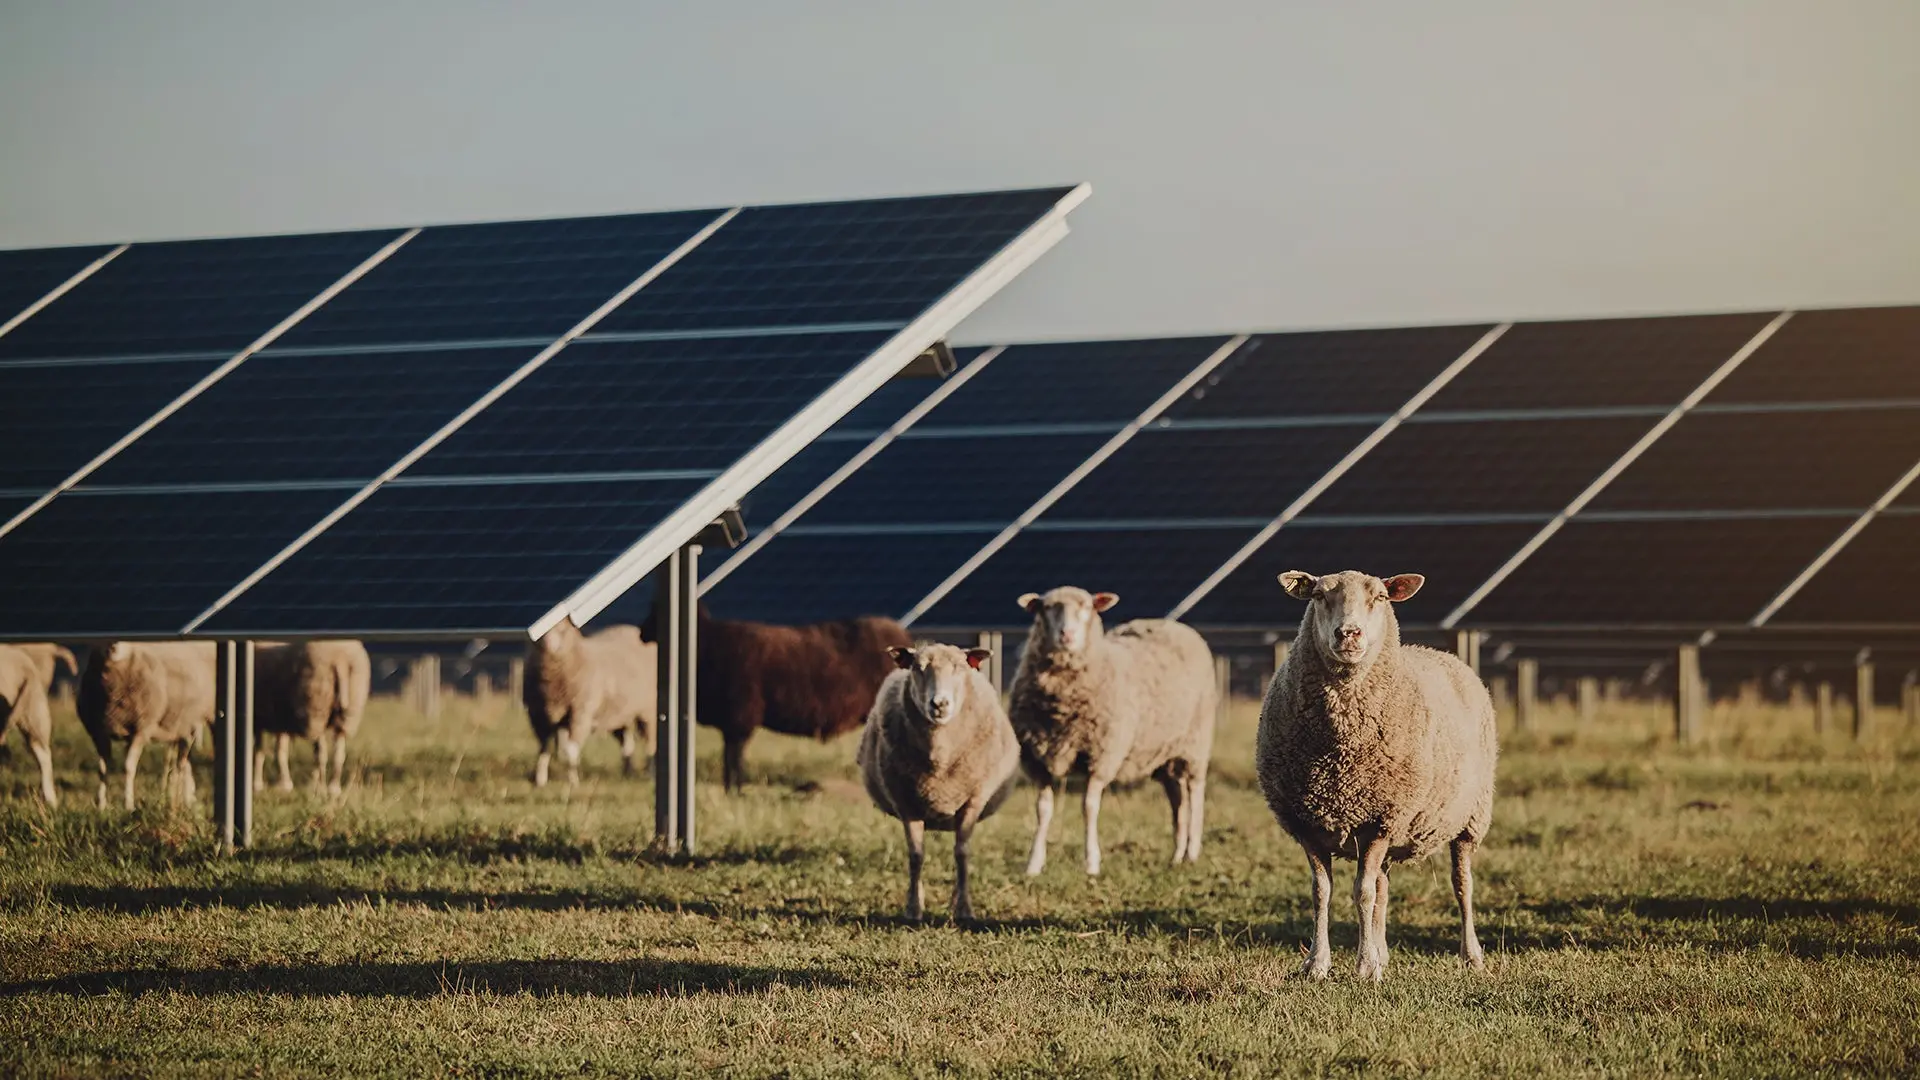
x: 1506, y: 466
x: 54, y: 418
x: 1103, y: 382
x: 1775, y: 460
x: 1688, y: 573
x: 960, y: 480
x: 511, y: 279
x: 1598, y: 362
x: 1207, y: 473
x: 884, y: 406
x: 1862, y: 354
x: 1857, y: 586
x: 1454, y: 558
x: 622, y: 406
x: 304, y: 418
x: 1151, y: 569
x: 13, y: 504
x: 799, y: 579
x: 190, y: 295
x: 106, y: 565
x: 796, y: 479
x: 26, y: 276
x: 1328, y: 372
x: 881, y: 260
x: 466, y: 557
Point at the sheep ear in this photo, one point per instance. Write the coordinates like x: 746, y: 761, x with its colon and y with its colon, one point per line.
x: 902, y: 657
x: 1104, y: 600
x: 976, y: 657
x: 1299, y: 584
x: 1029, y: 602
x: 1403, y: 586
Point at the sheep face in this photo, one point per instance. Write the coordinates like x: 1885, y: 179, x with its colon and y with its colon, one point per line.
x: 939, y: 677
x: 563, y: 635
x: 1066, y: 618
x: 1349, y: 613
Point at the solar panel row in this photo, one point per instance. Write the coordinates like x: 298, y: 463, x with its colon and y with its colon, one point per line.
x: 489, y: 465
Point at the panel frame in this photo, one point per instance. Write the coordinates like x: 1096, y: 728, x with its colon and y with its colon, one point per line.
x: 62, y: 289
x: 1839, y: 544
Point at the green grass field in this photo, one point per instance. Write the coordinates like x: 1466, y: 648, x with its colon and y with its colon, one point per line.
x: 1748, y: 908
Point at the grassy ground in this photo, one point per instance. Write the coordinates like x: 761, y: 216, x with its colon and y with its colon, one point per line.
x: 1748, y: 908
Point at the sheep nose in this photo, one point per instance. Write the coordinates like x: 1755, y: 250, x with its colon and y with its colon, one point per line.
x: 1349, y: 633
x: 940, y: 705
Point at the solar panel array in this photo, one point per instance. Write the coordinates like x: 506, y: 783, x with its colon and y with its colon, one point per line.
x: 1676, y: 472
x: 453, y: 429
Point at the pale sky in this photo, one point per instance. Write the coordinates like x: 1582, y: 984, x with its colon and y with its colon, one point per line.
x: 1256, y: 165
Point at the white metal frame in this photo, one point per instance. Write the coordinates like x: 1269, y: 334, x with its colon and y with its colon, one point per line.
x: 1067, y: 483
x: 62, y: 289
x: 446, y: 430
x: 858, y: 461
x: 214, y: 376
x: 1613, y: 471
x: 1340, y: 468
x: 1821, y: 560
x: 866, y: 377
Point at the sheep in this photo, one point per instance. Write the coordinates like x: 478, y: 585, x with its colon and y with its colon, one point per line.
x: 142, y: 693
x: 938, y: 753
x: 816, y: 680
x: 313, y: 690
x: 1375, y: 751
x: 23, y: 697
x: 1124, y: 705
x: 578, y: 684
x: 48, y: 659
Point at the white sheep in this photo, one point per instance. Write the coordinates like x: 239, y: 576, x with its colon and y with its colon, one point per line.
x: 1120, y: 705
x: 142, y: 693
x: 938, y: 753
x: 315, y: 690
x: 1377, y: 751
x: 23, y: 698
x: 578, y: 684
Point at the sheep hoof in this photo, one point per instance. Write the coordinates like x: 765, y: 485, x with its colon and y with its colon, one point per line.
x: 1370, y: 972
x: 1474, y: 961
x: 1317, y: 969
x: 284, y: 785
x: 912, y: 914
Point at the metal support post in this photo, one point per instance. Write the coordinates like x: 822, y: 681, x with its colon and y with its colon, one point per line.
x: 233, y: 744
x: 1862, y: 695
x: 1689, y: 696
x: 990, y: 640
x: 1823, y: 708
x: 675, y: 601
x: 1587, y: 691
x: 1466, y: 645
x: 1526, y: 694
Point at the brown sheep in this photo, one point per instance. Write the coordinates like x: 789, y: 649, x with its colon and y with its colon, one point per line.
x: 938, y: 753
x: 23, y: 697
x: 578, y: 684
x: 142, y: 693
x: 816, y: 680
x: 314, y: 690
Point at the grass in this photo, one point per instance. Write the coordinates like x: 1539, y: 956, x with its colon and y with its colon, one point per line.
x: 1751, y: 907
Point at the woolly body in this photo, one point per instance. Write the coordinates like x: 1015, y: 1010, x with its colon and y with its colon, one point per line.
x: 580, y: 684
x: 23, y: 701
x: 143, y: 693
x: 314, y: 690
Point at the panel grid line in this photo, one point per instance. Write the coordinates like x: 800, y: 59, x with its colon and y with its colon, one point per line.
x: 273, y: 334
x: 62, y: 289
x: 1067, y: 483
x: 1340, y: 468
x: 1619, y: 466
x: 1839, y: 543
x: 450, y: 427
x: 839, y: 476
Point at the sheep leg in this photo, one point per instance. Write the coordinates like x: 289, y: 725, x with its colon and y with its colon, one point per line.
x: 629, y: 745
x: 283, y: 746
x: 322, y: 747
x: 962, y: 840
x: 540, y: 763
x: 1176, y: 788
x: 259, y: 764
x: 100, y: 797
x: 1320, y: 961
x: 183, y: 763
x: 42, y: 753
x: 916, y: 856
x: 733, y: 766
x: 339, y: 762
x: 1197, y: 810
x: 1463, y: 894
x: 131, y: 765
x: 1380, y: 919
x: 1091, y: 805
x: 1043, y: 819
x: 570, y: 749
x: 1366, y: 892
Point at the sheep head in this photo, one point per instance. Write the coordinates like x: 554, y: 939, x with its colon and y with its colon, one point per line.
x: 1066, y: 619
x: 1349, y: 614
x: 939, y: 677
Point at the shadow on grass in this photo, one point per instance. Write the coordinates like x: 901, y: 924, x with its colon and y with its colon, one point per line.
x: 553, y: 978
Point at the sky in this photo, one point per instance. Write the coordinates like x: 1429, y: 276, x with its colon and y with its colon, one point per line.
x: 1255, y: 164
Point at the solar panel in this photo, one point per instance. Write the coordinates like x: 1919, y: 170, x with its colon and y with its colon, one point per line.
x: 1771, y: 460
x: 1322, y: 373
x: 1103, y: 383
x: 57, y: 416
x: 1454, y: 558
x: 1865, y: 582
x: 1487, y: 466
x: 1597, y: 363
x: 1244, y: 473
x: 977, y: 480
x: 809, y: 577
x: 26, y: 276
x: 1698, y: 572
x: 542, y: 474
x: 189, y: 296
x: 1862, y: 354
